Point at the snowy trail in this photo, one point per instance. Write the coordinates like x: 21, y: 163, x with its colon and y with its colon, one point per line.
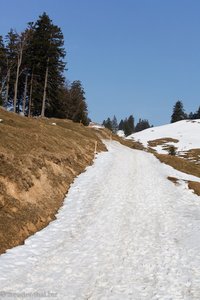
x: 124, y: 232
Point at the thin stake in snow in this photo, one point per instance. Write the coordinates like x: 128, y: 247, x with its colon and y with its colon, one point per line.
x: 95, y: 148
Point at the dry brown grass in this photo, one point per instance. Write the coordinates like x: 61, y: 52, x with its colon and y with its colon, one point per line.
x: 179, y: 164
x: 173, y: 179
x: 193, y: 185
x: 38, y: 162
x: 129, y: 143
x: 161, y: 141
x: 192, y: 155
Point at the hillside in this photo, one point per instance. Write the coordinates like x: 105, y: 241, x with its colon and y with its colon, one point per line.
x: 183, y: 135
x: 39, y: 159
x: 124, y: 232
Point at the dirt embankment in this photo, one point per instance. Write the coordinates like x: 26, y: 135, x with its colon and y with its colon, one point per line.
x: 39, y: 159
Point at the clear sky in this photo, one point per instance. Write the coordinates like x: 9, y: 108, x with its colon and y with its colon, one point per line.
x: 132, y: 56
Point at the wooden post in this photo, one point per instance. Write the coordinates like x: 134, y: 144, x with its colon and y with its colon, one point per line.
x: 95, y: 148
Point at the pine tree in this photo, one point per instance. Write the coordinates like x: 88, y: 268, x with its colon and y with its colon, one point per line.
x: 63, y: 103
x: 3, y: 69
x: 107, y: 124
x: 31, y: 74
x: 21, y: 47
x: 121, y: 125
x: 78, y: 111
x: 47, y: 65
x: 191, y: 116
x: 141, y: 125
x: 114, y: 124
x: 128, y: 125
x: 197, y: 114
x: 131, y: 124
x: 178, y: 112
x: 11, y: 61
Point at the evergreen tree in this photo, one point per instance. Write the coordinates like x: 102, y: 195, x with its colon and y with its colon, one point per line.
x: 121, y: 125
x: 131, y: 124
x: 63, y: 103
x: 196, y: 115
x: 11, y: 61
x: 178, y: 112
x: 128, y: 125
x: 21, y: 47
x: 47, y: 65
x: 191, y: 116
x: 141, y: 125
x: 114, y: 124
x: 31, y: 74
x: 77, y: 103
x: 3, y: 69
x: 107, y: 124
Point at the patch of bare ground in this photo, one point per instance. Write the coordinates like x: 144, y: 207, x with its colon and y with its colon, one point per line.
x: 161, y: 141
x: 129, y: 143
x: 107, y: 134
x: 191, y: 155
x: 164, y: 142
x: 179, y: 164
x: 192, y: 185
x: 38, y: 162
x: 173, y: 179
x: 195, y: 186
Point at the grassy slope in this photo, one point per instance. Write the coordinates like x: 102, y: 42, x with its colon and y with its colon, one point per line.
x: 38, y: 162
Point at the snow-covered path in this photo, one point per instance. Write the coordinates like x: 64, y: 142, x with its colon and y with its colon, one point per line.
x: 124, y: 232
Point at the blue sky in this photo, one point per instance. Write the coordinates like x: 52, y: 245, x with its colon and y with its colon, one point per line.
x: 132, y: 56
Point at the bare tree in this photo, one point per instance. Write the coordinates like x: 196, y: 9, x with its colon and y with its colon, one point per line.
x: 45, y: 89
x: 20, y: 49
x: 25, y: 94
x: 30, y: 96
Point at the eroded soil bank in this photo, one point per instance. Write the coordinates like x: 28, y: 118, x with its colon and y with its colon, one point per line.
x: 39, y: 159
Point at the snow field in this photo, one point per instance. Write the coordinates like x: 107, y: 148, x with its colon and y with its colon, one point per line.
x: 186, y: 131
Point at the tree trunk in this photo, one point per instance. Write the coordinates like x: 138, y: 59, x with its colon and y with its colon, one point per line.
x: 45, y: 89
x: 30, y: 96
x: 19, y: 61
x: 7, y: 88
x: 25, y: 92
x: 2, y: 85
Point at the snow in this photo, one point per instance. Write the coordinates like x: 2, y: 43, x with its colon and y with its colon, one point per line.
x: 120, y: 133
x: 186, y: 131
x: 124, y: 232
x: 96, y: 125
